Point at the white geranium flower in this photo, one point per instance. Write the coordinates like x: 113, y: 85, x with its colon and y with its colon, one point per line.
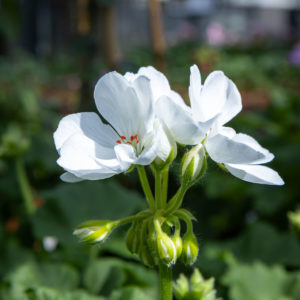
x: 90, y: 149
x: 213, y: 104
x: 160, y: 87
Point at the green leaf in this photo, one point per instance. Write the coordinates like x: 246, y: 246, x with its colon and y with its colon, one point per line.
x: 58, y: 276
x: 259, y: 282
x: 131, y: 293
x: 99, y: 272
x: 263, y: 242
x: 68, y: 205
x: 30, y: 275
x: 105, y: 275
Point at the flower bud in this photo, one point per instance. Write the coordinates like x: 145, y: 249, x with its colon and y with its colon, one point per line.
x: 166, y: 248
x: 177, y: 240
x: 189, y: 249
x: 181, y: 287
x: 193, y: 165
x: 195, y: 288
x: 146, y: 257
x: 94, y: 231
x: 133, y: 237
x: 294, y: 218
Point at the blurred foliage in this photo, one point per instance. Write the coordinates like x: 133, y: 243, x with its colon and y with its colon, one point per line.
x: 245, y: 238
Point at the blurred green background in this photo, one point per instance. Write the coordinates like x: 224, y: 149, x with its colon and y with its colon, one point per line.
x: 51, y: 55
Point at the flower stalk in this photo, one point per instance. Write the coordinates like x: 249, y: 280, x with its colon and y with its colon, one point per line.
x: 25, y: 186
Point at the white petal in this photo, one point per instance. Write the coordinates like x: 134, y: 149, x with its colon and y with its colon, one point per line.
x: 209, y: 102
x: 69, y: 177
x: 159, y: 83
x: 179, y: 121
x: 82, y: 156
x: 126, y: 155
x: 251, y: 142
x: 237, y: 149
x: 233, y: 104
x: 118, y: 103
x: 144, y: 94
x: 255, y: 174
x: 130, y: 76
x: 167, y: 143
x: 150, y: 151
x: 88, y: 124
x: 195, y: 92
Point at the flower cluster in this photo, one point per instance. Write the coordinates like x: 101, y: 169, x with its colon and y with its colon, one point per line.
x: 144, y: 119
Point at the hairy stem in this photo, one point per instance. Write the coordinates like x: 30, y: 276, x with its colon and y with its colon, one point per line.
x: 146, y: 186
x: 158, y: 191
x: 165, y: 275
x: 164, y: 193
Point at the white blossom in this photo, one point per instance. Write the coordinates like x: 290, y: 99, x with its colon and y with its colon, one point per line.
x: 213, y: 104
x: 91, y: 149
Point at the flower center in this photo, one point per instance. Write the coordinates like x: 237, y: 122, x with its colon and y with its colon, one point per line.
x: 134, y: 140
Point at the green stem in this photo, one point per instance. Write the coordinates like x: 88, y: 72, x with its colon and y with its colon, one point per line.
x: 165, y: 274
x: 164, y: 193
x: 158, y: 191
x: 141, y: 215
x: 146, y: 186
x: 186, y: 217
x: 25, y: 187
x: 176, y: 201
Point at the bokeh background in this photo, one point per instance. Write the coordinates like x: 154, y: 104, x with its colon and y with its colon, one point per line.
x: 52, y: 53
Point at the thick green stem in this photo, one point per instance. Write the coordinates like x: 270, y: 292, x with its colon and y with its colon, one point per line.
x: 165, y: 274
x: 146, y: 186
x: 158, y: 191
x: 164, y: 193
x: 25, y: 187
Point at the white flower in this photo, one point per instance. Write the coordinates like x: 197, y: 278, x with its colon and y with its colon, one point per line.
x: 213, y: 104
x: 160, y: 87
x: 90, y: 149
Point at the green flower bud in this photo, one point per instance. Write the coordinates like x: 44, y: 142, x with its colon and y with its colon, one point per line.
x: 14, y: 142
x: 152, y: 243
x: 181, y: 287
x: 294, y: 218
x: 94, y: 231
x: 177, y: 240
x: 133, y: 237
x: 166, y: 249
x: 189, y: 249
x: 146, y: 257
x: 195, y: 289
x: 193, y: 165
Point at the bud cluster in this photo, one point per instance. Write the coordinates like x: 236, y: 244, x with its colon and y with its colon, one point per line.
x: 158, y: 240
x: 197, y: 288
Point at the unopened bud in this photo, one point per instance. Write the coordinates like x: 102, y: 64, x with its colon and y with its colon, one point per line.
x: 193, y: 165
x: 133, y: 237
x: 196, y: 288
x: 189, y: 249
x: 181, y: 287
x: 146, y: 257
x: 177, y: 240
x: 166, y: 249
x: 94, y: 231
